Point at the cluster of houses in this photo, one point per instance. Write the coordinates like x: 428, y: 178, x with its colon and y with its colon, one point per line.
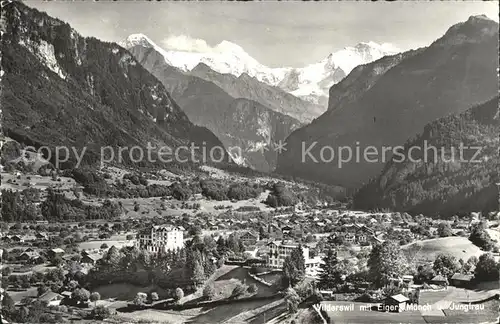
x: 32, y: 256
x: 37, y: 256
x: 25, y: 238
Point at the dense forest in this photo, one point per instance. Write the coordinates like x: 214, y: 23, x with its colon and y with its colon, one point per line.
x: 453, y: 185
x: 62, y: 89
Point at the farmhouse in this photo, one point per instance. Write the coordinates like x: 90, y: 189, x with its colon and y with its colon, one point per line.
x: 439, y: 280
x: 395, y: 303
x: 30, y: 256
x: 52, y: 253
x: 249, y: 238
x: 51, y: 298
x: 91, y: 258
x: 16, y: 238
x: 313, y: 266
x: 407, y: 279
x: 461, y: 280
x: 286, y: 229
x: 41, y: 236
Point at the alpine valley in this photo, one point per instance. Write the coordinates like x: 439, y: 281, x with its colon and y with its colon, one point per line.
x: 142, y: 183
x: 384, y: 103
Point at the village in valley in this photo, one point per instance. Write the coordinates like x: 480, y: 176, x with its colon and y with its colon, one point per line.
x: 210, y: 246
x: 249, y: 162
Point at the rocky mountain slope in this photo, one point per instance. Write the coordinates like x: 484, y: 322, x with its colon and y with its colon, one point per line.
x: 61, y: 89
x: 245, y: 86
x: 361, y: 79
x: 310, y: 83
x: 448, y: 186
x: 453, y: 73
x: 240, y: 86
x: 245, y: 127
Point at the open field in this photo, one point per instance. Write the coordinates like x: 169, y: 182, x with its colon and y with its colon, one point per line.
x: 486, y: 315
x: 158, y: 316
x: 272, y: 277
x: 482, y: 291
x: 495, y: 235
x: 92, y: 245
x: 126, y: 292
x: 261, y: 314
x: 17, y: 296
x: 222, y: 313
x: 242, y: 275
x: 152, y: 207
x: 225, y: 279
x: 35, y: 181
x: 35, y: 268
x: 427, y: 250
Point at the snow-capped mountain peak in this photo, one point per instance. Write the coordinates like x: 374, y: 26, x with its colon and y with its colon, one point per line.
x: 228, y: 47
x: 137, y: 39
x: 311, y: 82
x: 144, y: 41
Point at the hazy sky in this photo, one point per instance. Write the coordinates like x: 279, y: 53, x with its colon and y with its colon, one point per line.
x: 274, y: 33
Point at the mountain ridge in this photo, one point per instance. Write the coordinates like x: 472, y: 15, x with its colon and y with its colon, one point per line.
x: 430, y: 83
x: 443, y: 187
x: 243, y: 125
x: 60, y: 88
x: 310, y: 82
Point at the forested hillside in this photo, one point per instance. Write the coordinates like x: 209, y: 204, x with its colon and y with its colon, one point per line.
x: 450, y: 186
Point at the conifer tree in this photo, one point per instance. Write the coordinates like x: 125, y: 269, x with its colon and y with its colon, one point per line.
x: 331, y: 273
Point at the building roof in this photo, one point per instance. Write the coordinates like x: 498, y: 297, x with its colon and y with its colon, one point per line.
x: 399, y: 298
x: 57, y: 250
x: 66, y: 293
x: 439, y: 278
x: 255, y: 235
x: 316, y: 259
x: 31, y: 255
x: 462, y: 277
x: 49, y: 295
x: 284, y: 244
x: 94, y: 256
x: 165, y: 228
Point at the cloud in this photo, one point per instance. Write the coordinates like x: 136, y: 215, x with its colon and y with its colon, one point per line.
x: 390, y: 47
x: 187, y: 44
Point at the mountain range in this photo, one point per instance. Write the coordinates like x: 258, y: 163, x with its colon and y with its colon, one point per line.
x: 246, y: 127
x: 311, y: 82
x: 386, y: 102
x: 60, y: 88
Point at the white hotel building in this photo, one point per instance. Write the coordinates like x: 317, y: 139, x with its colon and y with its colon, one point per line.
x: 279, y: 250
x: 160, y: 239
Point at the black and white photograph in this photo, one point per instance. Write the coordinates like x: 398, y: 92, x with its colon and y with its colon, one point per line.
x: 250, y: 162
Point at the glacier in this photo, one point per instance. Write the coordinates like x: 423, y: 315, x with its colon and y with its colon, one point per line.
x: 310, y: 83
